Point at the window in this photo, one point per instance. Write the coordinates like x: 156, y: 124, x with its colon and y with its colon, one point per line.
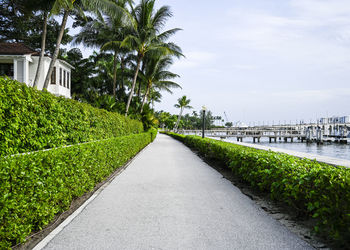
x: 68, y: 80
x: 6, y: 69
x: 53, y: 76
x: 64, y: 78
x: 61, y: 76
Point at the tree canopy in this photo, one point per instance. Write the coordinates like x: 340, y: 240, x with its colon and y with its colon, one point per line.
x: 131, y: 65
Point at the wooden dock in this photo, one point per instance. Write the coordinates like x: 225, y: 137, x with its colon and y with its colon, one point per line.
x: 288, y: 133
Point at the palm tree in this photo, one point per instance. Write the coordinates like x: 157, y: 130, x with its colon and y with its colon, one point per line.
x: 156, y: 74
x: 146, y: 36
x: 44, y: 6
x: 67, y: 6
x: 29, y: 7
x: 106, y: 33
x: 42, y: 52
x: 154, y: 96
x: 183, y: 103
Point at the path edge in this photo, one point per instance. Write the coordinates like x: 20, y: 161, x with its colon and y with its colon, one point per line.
x: 44, y: 242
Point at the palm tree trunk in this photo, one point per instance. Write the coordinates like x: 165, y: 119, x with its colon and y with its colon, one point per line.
x: 139, y: 87
x: 122, y: 72
x: 133, y: 86
x: 42, y: 53
x: 148, y: 100
x: 114, y: 73
x: 145, y: 96
x: 178, y: 119
x: 139, y: 90
x: 57, y: 49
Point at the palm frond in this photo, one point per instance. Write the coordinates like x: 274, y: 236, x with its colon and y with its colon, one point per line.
x: 160, y: 17
x: 130, y: 41
x: 164, y: 36
x: 112, y: 45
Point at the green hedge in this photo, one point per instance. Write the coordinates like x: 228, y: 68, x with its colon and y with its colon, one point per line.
x: 32, y: 120
x: 37, y: 186
x: 318, y: 190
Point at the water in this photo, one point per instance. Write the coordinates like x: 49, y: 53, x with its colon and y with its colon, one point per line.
x: 335, y: 150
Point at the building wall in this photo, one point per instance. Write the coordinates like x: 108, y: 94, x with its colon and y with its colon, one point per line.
x: 32, y: 70
x: 20, y: 65
x: 25, y: 68
x: 53, y: 88
x: 43, y: 72
x: 63, y: 82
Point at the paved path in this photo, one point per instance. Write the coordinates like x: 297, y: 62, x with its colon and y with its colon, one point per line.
x: 168, y: 198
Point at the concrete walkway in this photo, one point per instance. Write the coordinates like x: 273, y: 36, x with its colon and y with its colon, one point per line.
x: 168, y: 198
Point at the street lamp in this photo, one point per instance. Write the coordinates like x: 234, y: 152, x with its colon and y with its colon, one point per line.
x: 203, y: 122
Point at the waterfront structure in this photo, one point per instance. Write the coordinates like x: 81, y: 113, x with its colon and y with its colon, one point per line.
x: 312, y: 132
x: 335, y: 119
x: 19, y: 62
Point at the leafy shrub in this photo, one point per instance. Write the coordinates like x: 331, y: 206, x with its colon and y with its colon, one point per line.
x: 153, y: 132
x: 37, y: 186
x: 32, y: 120
x: 316, y: 189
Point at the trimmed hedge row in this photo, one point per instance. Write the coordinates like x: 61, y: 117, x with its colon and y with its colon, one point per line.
x: 32, y: 120
x: 37, y: 186
x: 316, y: 189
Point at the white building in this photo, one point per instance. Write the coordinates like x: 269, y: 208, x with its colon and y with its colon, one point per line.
x: 335, y: 119
x: 20, y: 63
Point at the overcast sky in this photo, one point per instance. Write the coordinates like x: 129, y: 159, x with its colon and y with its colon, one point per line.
x: 263, y: 60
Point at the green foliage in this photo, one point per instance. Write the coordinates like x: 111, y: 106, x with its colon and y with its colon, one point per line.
x: 315, y: 189
x: 228, y: 124
x: 155, y: 75
x: 21, y: 22
x: 32, y: 120
x: 153, y: 132
x: 148, y: 119
x: 166, y: 120
x: 92, y: 80
x: 35, y: 187
x: 146, y: 37
x: 105, y: 26
x: 183, y: 102
x: 193, y: 121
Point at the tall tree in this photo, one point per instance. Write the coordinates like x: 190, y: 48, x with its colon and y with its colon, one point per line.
x: 146, y: 36
x: 106, y: 33
x: 67, y: 6
x: 45, y: 6
x: 23, y: 23
x: 183, y: 103
x: 14, y: 21
x: 154, y: 96
x: 42, y: 51
x: 156, y: 74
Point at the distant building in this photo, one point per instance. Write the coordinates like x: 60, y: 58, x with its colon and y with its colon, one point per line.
x: 335, y: 119
x: 20, y: 63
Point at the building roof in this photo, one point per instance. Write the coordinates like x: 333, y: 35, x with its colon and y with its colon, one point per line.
x: 66, y: 63
x: 15, y: 49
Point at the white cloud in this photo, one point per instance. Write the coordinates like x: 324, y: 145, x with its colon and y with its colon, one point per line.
x: 300, y: 37
x: 303, y: 97
x: 260, y: 31
x: 243, y: 67
x: 294, y: 54
x: 322, y: 8
x: 195, y: 59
